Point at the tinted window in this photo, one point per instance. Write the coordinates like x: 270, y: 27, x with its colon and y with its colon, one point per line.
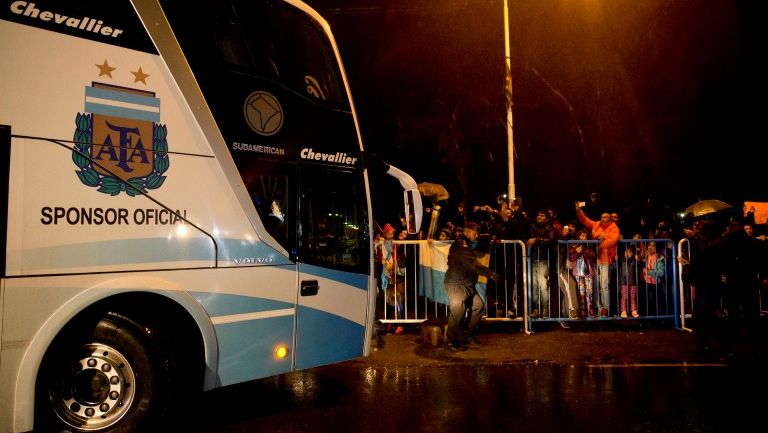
x: 334, y: 220
x: 270, y: 185
x: 266, y: 39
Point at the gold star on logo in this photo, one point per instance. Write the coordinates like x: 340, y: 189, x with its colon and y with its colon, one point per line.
x: 105, y: 69
x: 140, y: 76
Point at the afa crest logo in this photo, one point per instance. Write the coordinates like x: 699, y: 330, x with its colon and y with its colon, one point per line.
x: 120, y: 144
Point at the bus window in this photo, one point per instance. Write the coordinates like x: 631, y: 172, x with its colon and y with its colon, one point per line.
x: 269, y: 186
x: 334, y: 220
x: 267, y: 39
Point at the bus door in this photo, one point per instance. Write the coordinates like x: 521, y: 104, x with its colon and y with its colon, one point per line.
x: 334, y: 264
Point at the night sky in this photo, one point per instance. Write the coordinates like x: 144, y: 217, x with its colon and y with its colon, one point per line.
x: 651, y: 103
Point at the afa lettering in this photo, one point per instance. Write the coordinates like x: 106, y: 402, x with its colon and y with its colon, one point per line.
x: 125, y: 138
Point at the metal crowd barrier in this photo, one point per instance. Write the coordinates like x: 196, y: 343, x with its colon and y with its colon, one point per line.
x: 687, y: 293
x: 405, y: 300
x: 415, y: 292
x: 656, y: 287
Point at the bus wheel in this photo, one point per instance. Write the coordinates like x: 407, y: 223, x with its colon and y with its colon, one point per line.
x: 111, y: 376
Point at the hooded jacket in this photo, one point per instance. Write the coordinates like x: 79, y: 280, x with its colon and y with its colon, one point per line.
x: 609, y: 233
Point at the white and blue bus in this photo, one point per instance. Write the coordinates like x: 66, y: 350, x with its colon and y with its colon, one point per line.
x: 187, y: 206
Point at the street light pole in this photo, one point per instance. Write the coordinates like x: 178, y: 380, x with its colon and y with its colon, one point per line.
x: 508, y: 84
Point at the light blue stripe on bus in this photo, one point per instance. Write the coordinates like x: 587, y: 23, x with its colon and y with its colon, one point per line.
x: 223, y: 304
x: 247, y: 346
x: 128, y: 113
x: 359, y: 281
x: 247, y: 349
x: 342, y: 339
x: 114, y: 95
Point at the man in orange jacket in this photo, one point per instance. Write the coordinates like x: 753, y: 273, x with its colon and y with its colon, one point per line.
x: 607, y: 232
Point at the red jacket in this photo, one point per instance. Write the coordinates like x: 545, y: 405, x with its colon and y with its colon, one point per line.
x: 607, y: 233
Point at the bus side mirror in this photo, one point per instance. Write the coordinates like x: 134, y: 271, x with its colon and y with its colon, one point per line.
x: 413, y: 210
x: 411, y: 195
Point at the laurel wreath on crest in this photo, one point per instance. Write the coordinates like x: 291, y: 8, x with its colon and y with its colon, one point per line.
x: 110, y: 184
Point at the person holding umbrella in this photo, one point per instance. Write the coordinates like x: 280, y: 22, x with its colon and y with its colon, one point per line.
x: 707, y: 264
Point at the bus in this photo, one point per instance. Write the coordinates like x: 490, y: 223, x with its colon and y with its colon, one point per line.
x: 187, y: 206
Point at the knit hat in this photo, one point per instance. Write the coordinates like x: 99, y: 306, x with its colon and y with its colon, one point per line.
x: 472, y: 226
x: 388, y: 228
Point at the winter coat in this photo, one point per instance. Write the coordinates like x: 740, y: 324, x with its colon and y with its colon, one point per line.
x: 583, y: 263
x: 546, y: 241
x: 610, y: 237
x: 655, y: 268
x: 628, y: 271
x: 463, y: 267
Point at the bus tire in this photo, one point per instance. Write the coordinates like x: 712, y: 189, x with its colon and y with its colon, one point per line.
x: 108, y: 374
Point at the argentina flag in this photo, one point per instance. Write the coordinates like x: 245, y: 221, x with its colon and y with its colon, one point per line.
x: 121, y: 102
x: 433, y: 264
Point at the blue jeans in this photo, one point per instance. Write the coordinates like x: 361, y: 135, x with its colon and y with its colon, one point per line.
x: 540, y: 284
x: 604, y: 274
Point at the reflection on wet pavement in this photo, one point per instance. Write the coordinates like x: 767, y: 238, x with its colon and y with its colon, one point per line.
x: 357, y: 397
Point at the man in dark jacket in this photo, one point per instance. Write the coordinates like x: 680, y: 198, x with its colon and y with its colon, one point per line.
x: 708, y: 255
x: 460, y: 279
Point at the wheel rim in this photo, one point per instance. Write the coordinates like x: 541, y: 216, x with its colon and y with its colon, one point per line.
x: 97, y: 390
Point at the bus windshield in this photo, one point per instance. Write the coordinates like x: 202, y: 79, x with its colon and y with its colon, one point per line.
x: 267, y: 39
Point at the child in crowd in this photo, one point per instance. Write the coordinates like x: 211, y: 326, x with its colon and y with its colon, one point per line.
x: 653, y: 272
x: 582, y: 260
x: 628, y: 281
x: 445, y: 235
x: 393, y: 272
x: 378, y: 248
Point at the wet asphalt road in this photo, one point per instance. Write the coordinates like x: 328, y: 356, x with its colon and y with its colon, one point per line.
x: 406, y: 386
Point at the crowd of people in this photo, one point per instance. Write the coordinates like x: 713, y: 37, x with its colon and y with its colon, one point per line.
x: 731, y: 251
x: 728, y: 266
